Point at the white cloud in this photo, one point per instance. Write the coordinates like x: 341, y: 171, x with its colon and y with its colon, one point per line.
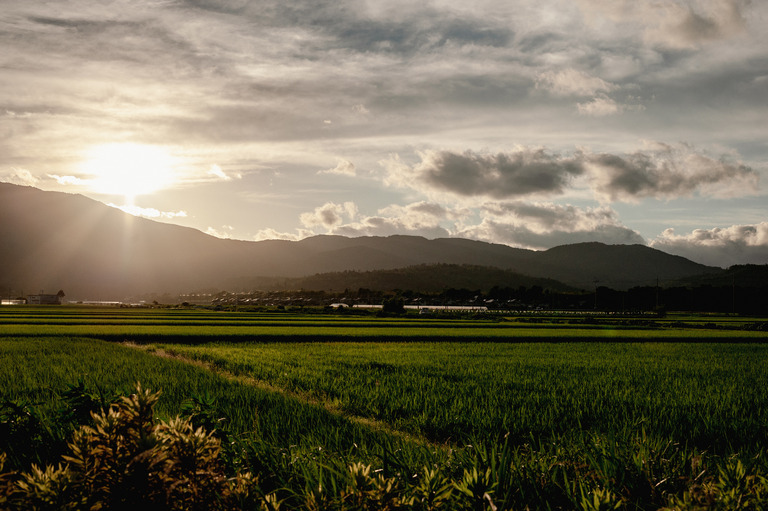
x: 272, y: 234
x: 599, y: 107
x: 218, y: 173
x: 19, y: 176
x: 343, y: 168
x: 522, y: 224
x: 329, y: 215
x: 726, y: 246
x: 225, y: 232
x: 69, y: 180
x: 386, y: 226
x: 519, y: 235
x: 149, y: 212
x: 360, y: 109
x: 418, y: 219
x: 544, y: 225
x: 570, y: 82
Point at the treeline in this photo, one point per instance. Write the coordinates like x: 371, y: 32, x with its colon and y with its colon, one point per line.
x: 706, y: 298
x: 738, y: 299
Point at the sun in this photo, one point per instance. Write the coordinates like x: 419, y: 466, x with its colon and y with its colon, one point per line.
x: 128, y: 169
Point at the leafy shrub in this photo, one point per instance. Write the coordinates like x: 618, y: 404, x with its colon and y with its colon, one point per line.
x: 126, y: 460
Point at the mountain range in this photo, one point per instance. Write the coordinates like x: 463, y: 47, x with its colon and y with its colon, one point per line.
x: 54, y: 240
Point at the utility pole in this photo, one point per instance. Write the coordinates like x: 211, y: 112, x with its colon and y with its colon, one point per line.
x: 595, y: 282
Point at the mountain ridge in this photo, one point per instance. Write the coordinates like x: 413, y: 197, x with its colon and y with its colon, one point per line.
x: 55, y: 240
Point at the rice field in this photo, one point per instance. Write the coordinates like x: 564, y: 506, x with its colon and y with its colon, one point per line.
x: 558, y: 412
x: 477, y: 391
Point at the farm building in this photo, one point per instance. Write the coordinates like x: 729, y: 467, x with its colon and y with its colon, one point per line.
x: 43, y: 299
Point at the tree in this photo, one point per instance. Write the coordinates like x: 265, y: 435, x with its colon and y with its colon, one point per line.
x: 394, y: 305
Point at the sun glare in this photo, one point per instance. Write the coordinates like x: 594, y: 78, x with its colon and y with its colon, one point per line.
x: 128, y: 169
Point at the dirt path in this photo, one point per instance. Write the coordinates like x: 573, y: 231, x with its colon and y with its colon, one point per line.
x: 306, y: 398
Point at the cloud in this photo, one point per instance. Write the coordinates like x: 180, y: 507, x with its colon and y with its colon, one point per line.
x: 360, y: 109
x: 666, y: 172
x: 661, y: 171
x: 218, y: 173
x: 69, y: 180
x: 272, y: 234
x: 343, y: 168
x: 525, y: 171
x: 418, y: 219
x: 599, y: 107
x: 570, y: 82
x: 548, y: 216
x: 149, y: 212
x: 737, y: 244
x: 387, y: 226
x: 225, y: 232
x: 517, y: 235
x: 422, y: 212
x: 19, y: 176
x: 573, y: 83
x: 544, y: 225
x: 329, y: 215
x: 686, y: 26
x: 522, y: 224
x: 678, y: 25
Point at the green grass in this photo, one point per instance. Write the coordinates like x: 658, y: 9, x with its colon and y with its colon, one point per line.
x: 148, y: 325
x: 709, y: 395
x: 37, y: 371
x: 558, y: 422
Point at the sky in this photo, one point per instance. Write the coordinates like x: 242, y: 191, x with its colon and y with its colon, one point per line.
x: 531, y: 123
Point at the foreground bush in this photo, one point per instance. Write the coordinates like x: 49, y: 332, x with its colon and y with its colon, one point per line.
x: 126, y: 460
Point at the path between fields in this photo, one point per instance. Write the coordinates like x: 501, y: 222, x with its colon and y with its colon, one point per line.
x: 303, y: 397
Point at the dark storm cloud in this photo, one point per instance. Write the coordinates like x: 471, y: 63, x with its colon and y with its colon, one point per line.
x: 663, y: 171
x: 667, y: 172
x: 517, y: 173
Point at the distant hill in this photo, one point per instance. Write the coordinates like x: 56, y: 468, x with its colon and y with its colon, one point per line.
x: 614, y: 266
x: 428, y: 278
x: 53, y: 240
x: 740, y: 275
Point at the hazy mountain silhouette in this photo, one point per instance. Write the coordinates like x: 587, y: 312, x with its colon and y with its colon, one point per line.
x: 53, y: 240
x: 426, y: 278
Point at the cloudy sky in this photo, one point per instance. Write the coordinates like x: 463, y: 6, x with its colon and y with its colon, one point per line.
x: 532, y: 123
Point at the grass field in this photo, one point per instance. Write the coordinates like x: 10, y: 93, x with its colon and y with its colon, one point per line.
x: 147, y: 325
x: 466, y: 392
x: 585, y: 417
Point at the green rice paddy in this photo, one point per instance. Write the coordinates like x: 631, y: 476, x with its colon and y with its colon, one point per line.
x: 585, y: 393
